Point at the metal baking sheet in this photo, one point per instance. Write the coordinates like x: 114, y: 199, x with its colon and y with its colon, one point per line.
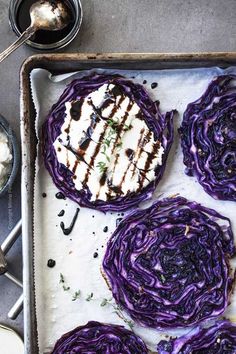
x: 61, y: 63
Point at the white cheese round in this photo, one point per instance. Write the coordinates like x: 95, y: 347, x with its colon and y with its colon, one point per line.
x: 107, y: 145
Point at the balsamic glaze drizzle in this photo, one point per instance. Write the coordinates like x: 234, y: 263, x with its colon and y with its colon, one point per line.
x: 68, y: 230
x: 111, y: 97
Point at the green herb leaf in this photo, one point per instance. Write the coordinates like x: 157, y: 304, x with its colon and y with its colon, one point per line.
x: 119, y: 307
x: 113, y: 123
x: 107, y: 142
x: 163, y: 278
x: 89, y: 297
x: 119, y: 145
x: 129, y: 323
x: 104, y: 302
x: 62, y: 280
x: 66, y: 288
x: 126, y: 127
x: 102, y: 166
x: 76, y: 295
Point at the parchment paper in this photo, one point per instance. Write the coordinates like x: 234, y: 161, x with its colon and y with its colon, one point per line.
x: 56, y: 312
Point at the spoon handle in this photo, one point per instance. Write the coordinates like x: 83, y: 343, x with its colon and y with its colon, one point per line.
x: 22, y: 39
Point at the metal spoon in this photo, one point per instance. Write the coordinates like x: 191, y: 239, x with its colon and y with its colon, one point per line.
x: 49, y: 15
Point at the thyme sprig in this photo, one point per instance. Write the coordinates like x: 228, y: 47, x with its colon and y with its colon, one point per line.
x: 67, y: 288
x: 118, y: 311
x: 113, y: 124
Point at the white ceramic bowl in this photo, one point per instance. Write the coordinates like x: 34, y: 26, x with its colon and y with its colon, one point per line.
x: 4, y: 125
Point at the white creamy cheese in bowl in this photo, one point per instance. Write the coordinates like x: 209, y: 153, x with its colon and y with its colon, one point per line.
x: 9, y: 156
x: 5, y: 158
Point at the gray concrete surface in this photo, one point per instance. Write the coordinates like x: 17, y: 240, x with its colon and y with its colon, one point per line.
x: 111, y: 26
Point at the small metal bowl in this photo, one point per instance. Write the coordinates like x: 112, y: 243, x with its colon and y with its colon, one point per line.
x: 78, y: 15
x: 5, y: 127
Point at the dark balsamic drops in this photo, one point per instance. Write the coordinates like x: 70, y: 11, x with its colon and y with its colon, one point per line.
x: 75, y: 110
x: 105, y: 229
x: 44, y: 195
x: 118, y: 220
x: 51, y: 263
x: 144, y: 82
x: 60, y: 195
x: 116, y: 91
x: 95, y: 255
x: 103, y: 179
x: 154, y: 85
x: 68, y: 230
x: 129, y: 153
x: 62, y: 212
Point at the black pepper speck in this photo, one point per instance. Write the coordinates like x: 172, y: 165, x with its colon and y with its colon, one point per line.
x: 154, y: 85
x: 44, y: 195
x: 105, y: 229
x: 144, y: 82
x: 95, y: 255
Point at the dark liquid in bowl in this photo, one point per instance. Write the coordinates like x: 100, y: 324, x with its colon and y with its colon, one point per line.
x: 42, y: 36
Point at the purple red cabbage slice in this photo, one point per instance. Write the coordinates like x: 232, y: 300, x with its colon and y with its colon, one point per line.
x: 95, y: 337
x: 168, y: 265
x: 208, y: 138
x: 160, y: 124
x: 219, y: 338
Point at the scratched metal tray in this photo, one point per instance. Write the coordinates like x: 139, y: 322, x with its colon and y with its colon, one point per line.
x: 61, y: 63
